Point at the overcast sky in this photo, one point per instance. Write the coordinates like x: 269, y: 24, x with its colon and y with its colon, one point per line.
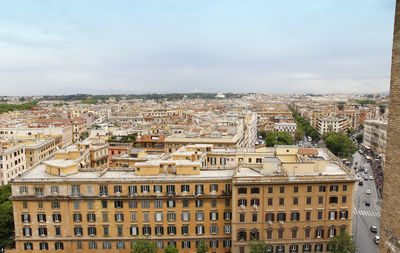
x: 100, y: 47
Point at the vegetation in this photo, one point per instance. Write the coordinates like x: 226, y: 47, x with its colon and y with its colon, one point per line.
x: 279, y: 138
x: 298, y: 135
x: 6, y: 218
x: 359, y: 138
x: 89, y: 101
x: 59, y: 104
x: 127, y: 138
x: 258, y: 246
x: 171, y: 249
x: 144, y: 246
x: 262, y: 133
x: 84, y: 135
x: 339, y: 144
x: 350, y: 131
x: 340, y: 105
x: 366, y: 101
x: 14, y: 107
x: 305, y: 126
x: 203, y: 248
x: 342, y: 243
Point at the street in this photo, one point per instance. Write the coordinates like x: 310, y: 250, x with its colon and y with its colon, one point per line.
x: 365, y: 216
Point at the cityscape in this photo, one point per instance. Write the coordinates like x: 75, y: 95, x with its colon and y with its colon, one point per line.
x: 96, y: 155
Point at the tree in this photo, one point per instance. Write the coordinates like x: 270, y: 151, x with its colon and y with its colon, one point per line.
x: 298, y: 135
x: 262, y: 133
x: 258, y: 246
x: 144, y: 246
x: 342, y: 243
x: 6, y: 217
x: 360, y: 138
x: 339, y: 144
x: 203, y: 248
x: 171, y: 249
x: 270, y: 139
x: 284, y: 138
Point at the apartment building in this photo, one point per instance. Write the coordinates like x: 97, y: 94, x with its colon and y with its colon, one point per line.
x: 329, y: 123
x: 98, y: 152
x: 36, y: 150
x: 78, y: 128
x: 12, y: 161
x: 196, y: 194
x: 375, y: 135
x: 285, y: 127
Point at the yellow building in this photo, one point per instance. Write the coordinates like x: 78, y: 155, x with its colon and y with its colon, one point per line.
x: 128, y: 159
x: 196, y: 194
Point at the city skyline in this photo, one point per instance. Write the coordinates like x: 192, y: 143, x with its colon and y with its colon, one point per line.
x: 167, y: 47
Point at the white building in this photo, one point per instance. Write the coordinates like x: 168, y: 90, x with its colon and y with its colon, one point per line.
x: 285, y: 127
x: 326, y: 124
x: 12, y: 162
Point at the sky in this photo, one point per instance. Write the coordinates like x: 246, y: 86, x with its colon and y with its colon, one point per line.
x: 165, y: 46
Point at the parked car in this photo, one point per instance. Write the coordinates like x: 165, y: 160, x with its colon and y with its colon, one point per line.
x: 376, y: 239
x: 366, y: 178
x: 360, y: 183
x: 373, y: 229
x: 371, y: 177
x: 367, y: 203
x: 368, y: 191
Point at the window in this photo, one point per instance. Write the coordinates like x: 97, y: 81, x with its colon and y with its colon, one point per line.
x: 282, y: 189
x: 333, y: 200
x: 103, y: 190
x: 55, y: 204
x: 92, y: 231
x: 105, y: 217
x: 76, y: 204
x: 270, y: 201
x: 270, y: 217
x: 145, y: 188
x: 40, y: 204
x: 227, y: 243
x: 54, y: 189
x: 308, y: 200
x: 270, y: 189
x: 227, y: 215
x: 254, y: 217
x: 320, y: 215
x: 90, y: 204
x: 106, y: 231
x: 199, y: 216
x: 91, y: 217
x: 343, y: 214
x: 344, y: 199
x: 295, y: 189
x: 119, y: 230
x: 145, y: 203
x: 78, y: 231
x: 132, y: 203
x: 89, y: 189
x: 242, y: 202
x: 320, y: 200
x: 25, y: 218
x: 334, y: 188
x: 281, y: 201
x: 185, y: 203
x: 132, y: 190
x: 322, y: 188
x: 228, y: 188
x: 118, y: 204
x: 185, y: 188
x: 242, y: 236
x: 77, y: 217
x: 213, y: 243
x: 280, y: 234
x: 28, y: 246
x: 242, y: 217
x: 255, y: 190
x: 294, y: 233
x: 213, y: 216
x: 75, y: 190
x: 186, y: 244
x: 92, y: 245
x: 295, y: 201
x: 199, y: 229
x: 43, y: 246
x: 106, y: 245
x: 171, y: 216
x: 170, y: 203
x: 133, y: 216
x: 295, y: 216
x: 213, y: 188
x: 344, y: 187
x: 42, y: 231
x: 185, y: 229
x: 199, y: 203
x: 56, y: 217
x: 158, y: 216
x: 332, y: 231
x: 332, y: 215
x: 185, y: 216
x: 227, y: 229
x: 41, y: 217
x: 103, y: 203
x: 119, y: 217
x: 255, y: 202
x: 117, y: 189
x: 159, y: 230
x: 171, y: 230
x: 213, y: 203
x: 308, y: 215
x: 134, y: 230
x: 281, y: 216
x: 171, y: 189
x: 24, y: 204
x: 199, y: 189
x: 120, y: 245
x: 59, y: 246
x: 39, y: 191
x: 309, y: 188
x: 160, y: 244
x: 27, y: 231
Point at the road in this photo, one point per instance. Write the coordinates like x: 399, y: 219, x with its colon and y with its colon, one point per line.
x: 365, y: 216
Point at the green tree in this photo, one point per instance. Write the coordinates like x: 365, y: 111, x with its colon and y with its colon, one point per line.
x: 144, y: 246
x: 84, y: 135
x: 262, y: 133
x: 298, y: 135
x: 258, y: 246
x: 360, y: 138
x: 6, y: 217
x: 203, y: 248
x: 339, y: 144
x: 342, y: 243
x: 284, y: 138
x: 270, y: 139
x: 171, y: 249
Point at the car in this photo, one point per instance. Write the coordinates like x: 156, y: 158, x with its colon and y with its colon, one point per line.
x: 366, y: 178
x: 376, y: 239
x: 360, y: 183
x: 371, y: 177
x: 373, y: 229
x: 367, y: 203
x: 368, y: 191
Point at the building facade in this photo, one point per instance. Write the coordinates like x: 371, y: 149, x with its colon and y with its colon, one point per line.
x: 375, y: 135
x: 12, y: 162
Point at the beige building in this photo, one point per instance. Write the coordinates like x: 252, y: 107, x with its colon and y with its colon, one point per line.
x: 329, y: 123
x: 196, y: 194
x: 375, y: 135
x: 12, y: 161
x: 37, y: 150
